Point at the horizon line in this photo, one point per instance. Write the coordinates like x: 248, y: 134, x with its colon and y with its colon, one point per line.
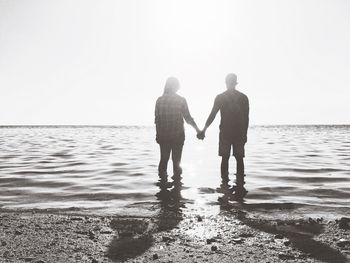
x: 142, y: 125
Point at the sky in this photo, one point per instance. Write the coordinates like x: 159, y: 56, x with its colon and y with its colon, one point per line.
x: 69, y: 62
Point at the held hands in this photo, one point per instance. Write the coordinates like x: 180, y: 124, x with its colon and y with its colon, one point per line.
x: 201, y: 135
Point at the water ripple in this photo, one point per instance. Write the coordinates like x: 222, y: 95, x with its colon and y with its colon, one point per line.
x: 117, y: 166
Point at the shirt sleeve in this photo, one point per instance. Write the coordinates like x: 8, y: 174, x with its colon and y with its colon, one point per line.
x: 217, y: 102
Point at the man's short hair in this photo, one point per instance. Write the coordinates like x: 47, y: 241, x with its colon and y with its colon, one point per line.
x: 231, y: 79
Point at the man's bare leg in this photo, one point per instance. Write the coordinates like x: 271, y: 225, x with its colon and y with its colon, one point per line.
x: 240, y: 190
x: 240, y: 171
x: 224, y: 169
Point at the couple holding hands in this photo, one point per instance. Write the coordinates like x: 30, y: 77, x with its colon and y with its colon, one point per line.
x: 170, y: 112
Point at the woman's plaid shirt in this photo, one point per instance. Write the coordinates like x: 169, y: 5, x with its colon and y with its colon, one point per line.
x: 170, y: 112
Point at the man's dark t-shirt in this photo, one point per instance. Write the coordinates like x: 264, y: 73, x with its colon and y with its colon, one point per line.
x: 234, y: 109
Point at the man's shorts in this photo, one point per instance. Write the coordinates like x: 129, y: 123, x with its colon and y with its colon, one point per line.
x: 225, y: 148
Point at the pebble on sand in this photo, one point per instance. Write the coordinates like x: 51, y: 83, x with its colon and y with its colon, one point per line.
x: 167, y: 239
x: 287, y: 243
x: 210, y: 240
x: 238, y: 240
x: 17, y: 233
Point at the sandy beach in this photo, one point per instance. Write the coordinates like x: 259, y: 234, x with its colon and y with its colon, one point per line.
x: 232, y: 236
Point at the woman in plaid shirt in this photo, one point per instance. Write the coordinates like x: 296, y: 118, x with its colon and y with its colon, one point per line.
x: 170, y: 112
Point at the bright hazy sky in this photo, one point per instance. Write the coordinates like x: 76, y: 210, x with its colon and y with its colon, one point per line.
x: 106, y: 62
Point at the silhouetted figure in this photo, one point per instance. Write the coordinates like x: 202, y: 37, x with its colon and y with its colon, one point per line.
x: 234, y: 109
x: 170, y: 112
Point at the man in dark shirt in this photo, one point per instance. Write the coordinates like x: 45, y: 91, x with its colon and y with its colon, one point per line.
x: 234, y: 109
x: 170, y: 112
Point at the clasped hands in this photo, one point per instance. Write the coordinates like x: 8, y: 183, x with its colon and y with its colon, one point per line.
x: 201, y: 134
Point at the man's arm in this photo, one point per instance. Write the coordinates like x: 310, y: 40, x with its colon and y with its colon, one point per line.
x: 211, y: 117
x: 246, y: 117
x: 187, y: 116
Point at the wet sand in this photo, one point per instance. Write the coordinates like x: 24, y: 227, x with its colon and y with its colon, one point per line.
x: 231, y: 236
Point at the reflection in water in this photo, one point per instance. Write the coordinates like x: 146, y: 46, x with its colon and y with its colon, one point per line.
x: 171, y: 205
x: 234, y: 193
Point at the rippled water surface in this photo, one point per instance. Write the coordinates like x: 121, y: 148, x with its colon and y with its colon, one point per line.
x: 114, y: 168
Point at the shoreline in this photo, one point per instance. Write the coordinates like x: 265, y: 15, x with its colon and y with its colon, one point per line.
x: 173, y: 234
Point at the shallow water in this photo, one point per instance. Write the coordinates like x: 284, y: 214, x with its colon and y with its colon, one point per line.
x: 114, y: 169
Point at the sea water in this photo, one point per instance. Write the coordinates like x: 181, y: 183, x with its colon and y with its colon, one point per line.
x: 114, y: 169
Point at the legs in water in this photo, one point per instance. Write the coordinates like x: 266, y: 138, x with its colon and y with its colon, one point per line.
x: 238, y: 152
x: 164, y: 158
x: 176, y: 155
x: 175, y: 148
x: 224, y: 169
x: 239, y: 172
x: 240, y: 191
x: 224, y: 187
